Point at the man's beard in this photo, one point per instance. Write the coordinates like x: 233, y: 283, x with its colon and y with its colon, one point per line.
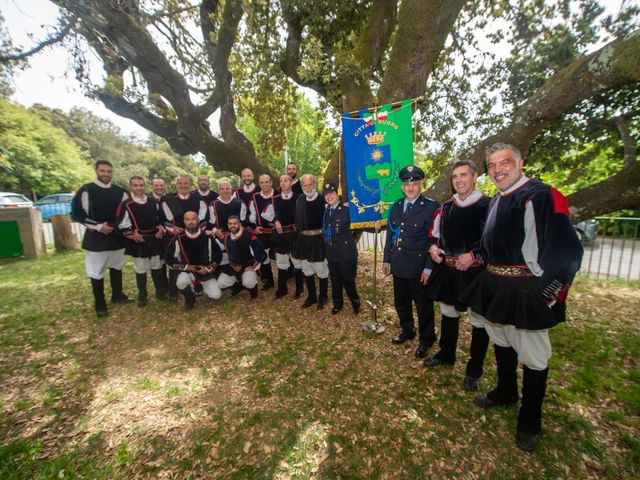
x: 193, y: 229
x: 293, y: 175
x: 234, y: 230
x: 310, y: 193
x: 248, y: 182
x: 203, y: 188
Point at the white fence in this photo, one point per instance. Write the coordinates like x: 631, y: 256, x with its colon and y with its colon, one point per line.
x: 77, y: 228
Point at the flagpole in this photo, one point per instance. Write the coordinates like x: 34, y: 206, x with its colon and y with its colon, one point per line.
x: 375, y: 108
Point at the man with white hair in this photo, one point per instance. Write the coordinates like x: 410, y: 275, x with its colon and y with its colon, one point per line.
x: 532, y: 254
x: 223, y: 207
x: 309, y: 250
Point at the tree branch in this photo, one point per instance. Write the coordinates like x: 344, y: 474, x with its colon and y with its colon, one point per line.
x: 615, y: 64
x: 630, y: 150
x: 423, y: 29
x: 55, y: 38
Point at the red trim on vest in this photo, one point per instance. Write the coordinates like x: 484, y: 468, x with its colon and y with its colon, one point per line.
x: 560, y: 202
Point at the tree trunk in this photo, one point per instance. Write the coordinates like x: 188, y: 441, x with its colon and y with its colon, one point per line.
x: 63, y: 235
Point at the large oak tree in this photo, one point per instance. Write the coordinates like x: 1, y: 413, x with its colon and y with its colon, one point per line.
x: 168, y: 66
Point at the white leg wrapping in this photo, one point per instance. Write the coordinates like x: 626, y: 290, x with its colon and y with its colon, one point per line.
x: 211, y: 289
x: 297, y: 263
x: 533, y: 346
x: 448, y: 310
x: 156, y: 262
x: 95, y: 264
x: 249, y: 279
x: 116, y: 259
x: 282, y: 261
x: 184, y: 280
x: 226, y: 281
x: 476, y: 319
x: 141, y: 265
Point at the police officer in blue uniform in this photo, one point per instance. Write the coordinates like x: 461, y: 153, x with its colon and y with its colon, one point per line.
x: 406, y: 257
x: 342, y: 254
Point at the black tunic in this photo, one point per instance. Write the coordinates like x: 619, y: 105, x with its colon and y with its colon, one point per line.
x: 285, y: 212
x: 93, y: 205
x: 143, y: 218
x: 528, y: 227
x: 173, y: 207
x: 219, y: 213
x: 208, y: 198
x: 457, y: 229
x: 309, y: 215
x: 198, y: 250
x: 246, y: 196
x: 243, y: 251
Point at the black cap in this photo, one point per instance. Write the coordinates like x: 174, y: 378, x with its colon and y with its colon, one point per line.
x: 330, y: 187
x: 411, y: 173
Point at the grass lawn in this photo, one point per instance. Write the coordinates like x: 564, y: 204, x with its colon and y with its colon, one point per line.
x: 264, y: 389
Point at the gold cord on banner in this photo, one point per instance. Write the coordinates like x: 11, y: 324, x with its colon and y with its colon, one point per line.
x: 375, y: 108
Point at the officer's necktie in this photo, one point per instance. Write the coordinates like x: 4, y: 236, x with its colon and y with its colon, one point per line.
x: 407, y: 209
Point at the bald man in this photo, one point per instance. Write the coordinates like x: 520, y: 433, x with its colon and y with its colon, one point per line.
x: 248, y: 188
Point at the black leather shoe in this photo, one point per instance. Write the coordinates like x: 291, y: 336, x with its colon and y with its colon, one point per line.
x: 471, y: 384
x: 142, y: 302
x: 335, y: 310
x: 102, y: 313
x: 485, y: 401
x: 236, y: 289
x: 121, y: 298
x: 422, y: 350
x: 527, y: 441
x: 172, y: 298
x: 356, y: 308
x: 434, y: 362
x: 403, y: 337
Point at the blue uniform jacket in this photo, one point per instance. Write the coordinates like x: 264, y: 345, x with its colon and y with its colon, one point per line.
x: 341, y: 246
x: 408, y: 240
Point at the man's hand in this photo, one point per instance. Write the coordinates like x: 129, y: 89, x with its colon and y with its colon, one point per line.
x: 219, y: 233
x: 464, y: 261
x: 136, y: 237
x: 257, y: 230
x: 106, y: 229
x: 278, y: 226
x: 202, y: 270
x: 177, y: 230
x: 436, y: 253
x: 386, y: 269
x: 160, y: 233
x: 424, y: 278
x: 192, y: 269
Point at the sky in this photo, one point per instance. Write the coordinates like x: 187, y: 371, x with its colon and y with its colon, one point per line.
x: 50, y: 81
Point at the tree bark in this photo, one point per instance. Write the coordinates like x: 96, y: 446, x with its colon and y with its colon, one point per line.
x: 63, y: 236
x: 614, y: 65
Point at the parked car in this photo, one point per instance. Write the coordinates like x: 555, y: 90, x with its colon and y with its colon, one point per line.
x: 55, y: 204
x: 14, y: 200
x: 587, y: 231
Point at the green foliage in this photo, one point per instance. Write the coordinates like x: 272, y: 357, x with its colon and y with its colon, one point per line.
x: 310, y: 143
x: 101, y: 139
x: 36, y: 156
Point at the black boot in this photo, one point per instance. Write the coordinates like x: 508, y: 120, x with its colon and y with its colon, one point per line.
x: 189, y: 298
x: 254, y: 292
x: 236, y: 289
x: 311, y: 288
x: 173, y: 288
x: 324, y: 288
x: 449, y: 327
x: 268, y: 276
x: 478, y: 352
x: 159, y: 283
x: 506, y: 393
x: 98, y: 297
x: 117, y: 296
x: 534, y: 388
x: 299, y: 283
x: 141, y: 282
x: 282, y: 283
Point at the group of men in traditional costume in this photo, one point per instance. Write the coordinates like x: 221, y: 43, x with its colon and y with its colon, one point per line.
x: 507, y: 262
